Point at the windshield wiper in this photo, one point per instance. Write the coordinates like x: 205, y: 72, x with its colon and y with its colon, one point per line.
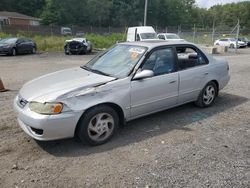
x: 94, y: 70
x: 100, y: 72
x: 86, y: 68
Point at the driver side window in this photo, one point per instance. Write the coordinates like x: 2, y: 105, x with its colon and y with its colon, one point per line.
x: 161, y: 62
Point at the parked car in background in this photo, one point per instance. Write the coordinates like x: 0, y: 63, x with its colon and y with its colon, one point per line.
x: 170, y: 37
x: 230, y: 42
x: 141, y: 33
x: 77, y: 46
x: 66, y: 31
x: 244, y: 39
x: 14, y: 46
x: 128, y: 81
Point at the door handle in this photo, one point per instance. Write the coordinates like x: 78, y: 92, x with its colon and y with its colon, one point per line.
x: 171, y: 82
x: 206, y: 73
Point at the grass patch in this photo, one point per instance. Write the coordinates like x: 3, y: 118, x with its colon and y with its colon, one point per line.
x: 56, y: 43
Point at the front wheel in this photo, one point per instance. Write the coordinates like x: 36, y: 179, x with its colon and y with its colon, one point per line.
x: 66, y: 52
x: 207, y: 95
x: 231, y: 45
x: 98, y: 125
x: 13, y: 52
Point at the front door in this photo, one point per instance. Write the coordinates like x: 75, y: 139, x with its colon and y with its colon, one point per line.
x: 160, y: 91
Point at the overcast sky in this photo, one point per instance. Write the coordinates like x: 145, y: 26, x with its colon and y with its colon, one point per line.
x: 209, y: 3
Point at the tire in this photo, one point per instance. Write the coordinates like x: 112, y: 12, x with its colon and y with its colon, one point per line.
x: 231, y: 46
x: 85, y: 51
x: 33, y: 50
x: 66, y: 52
x: 207, y: 95
x: 13, y: 52
x: 98, y: 125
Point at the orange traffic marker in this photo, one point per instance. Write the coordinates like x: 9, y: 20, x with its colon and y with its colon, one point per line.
x: 2, y: 89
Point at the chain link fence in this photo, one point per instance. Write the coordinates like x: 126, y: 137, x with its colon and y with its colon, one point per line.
x: 56, y: 30
x: 190, y: 33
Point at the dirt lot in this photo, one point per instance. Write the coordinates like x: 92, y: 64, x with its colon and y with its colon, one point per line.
x: 182, y: 147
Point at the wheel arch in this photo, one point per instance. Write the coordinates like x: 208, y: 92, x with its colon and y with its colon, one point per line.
x: 116, y: 107
x: 217, y: 85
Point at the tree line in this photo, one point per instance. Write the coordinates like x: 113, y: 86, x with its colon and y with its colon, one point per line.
x: 122, y: 13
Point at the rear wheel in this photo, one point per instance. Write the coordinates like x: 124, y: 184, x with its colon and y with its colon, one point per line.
x: 207, y: 95
x: 90, y: 50
x: 33, y: 50
x: 98, y: 125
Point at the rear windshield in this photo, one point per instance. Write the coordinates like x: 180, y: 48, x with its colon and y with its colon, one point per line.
x: 9, y: 41
x: 148, y: 36
x: 172, y: 36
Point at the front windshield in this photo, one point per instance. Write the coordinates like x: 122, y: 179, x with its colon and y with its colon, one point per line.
x: 232, y: 39
x: 9, y: 41
x: 173, y: 36
x: 118, y: 61
x: 148, y: 36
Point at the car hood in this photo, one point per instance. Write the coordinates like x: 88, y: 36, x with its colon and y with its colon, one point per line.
x: 51, y: 86
x: 6, y: 44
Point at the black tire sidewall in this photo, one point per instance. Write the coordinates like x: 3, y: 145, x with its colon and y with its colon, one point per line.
x: 82, y: 131
x: 33, y: 51
x: 12, y: 52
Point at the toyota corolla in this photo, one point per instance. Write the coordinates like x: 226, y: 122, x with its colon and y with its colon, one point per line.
x: 128, y: 81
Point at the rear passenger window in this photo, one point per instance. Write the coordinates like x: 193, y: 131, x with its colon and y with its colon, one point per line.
x: 189, y: 57
x: 161, y: 37
x: 20, y: 41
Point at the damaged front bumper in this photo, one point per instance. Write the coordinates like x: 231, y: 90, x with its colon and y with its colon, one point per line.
x: 47, y: 127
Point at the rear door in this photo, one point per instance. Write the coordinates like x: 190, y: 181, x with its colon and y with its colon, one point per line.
x: 21, y: 47
x: 193, y: 72
x: 160, y: 91
x: 29, y: 45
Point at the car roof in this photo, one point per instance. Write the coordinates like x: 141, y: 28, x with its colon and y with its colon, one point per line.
x: 167, y: 34
x: 227, y: 38
x: 11, y: 38
x: 156, y: 43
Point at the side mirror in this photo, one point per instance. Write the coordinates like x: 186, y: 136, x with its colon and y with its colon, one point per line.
x: 143, y: 74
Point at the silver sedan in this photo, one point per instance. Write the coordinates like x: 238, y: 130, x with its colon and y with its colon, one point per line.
x: 128, y: 81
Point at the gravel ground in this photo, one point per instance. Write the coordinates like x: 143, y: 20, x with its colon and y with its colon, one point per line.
x: 182, y: 147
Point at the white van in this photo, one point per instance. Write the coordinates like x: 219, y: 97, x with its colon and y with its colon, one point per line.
x: 66, y: 31
x: 141, y: 33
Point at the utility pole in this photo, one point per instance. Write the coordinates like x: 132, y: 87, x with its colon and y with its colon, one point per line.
x: 237, y: 35
x: 213, y: 32
x: 145, y: 12
x: 194, y: 34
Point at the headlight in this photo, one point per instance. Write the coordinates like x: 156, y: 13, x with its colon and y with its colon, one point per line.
x: 46, y: 108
